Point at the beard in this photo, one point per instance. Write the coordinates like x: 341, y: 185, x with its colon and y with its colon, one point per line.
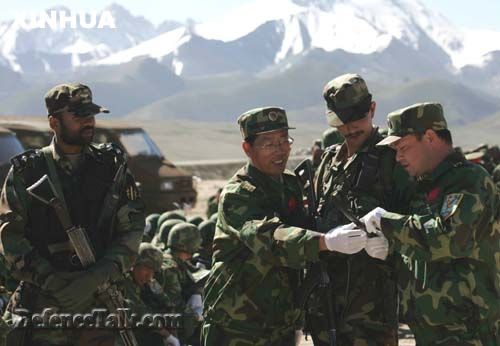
x: 77, y: 138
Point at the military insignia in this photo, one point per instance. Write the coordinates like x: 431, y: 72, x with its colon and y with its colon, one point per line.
x: 433, y: 194
x: 132, y: 193
x: 247, y: 186
x: 450, y: 205
x: 273, y: 116
x: 292, y: 205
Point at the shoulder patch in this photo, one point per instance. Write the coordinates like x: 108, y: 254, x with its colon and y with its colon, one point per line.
x: 245, y: 185
x: 450, y: 205
x: 26, y: 159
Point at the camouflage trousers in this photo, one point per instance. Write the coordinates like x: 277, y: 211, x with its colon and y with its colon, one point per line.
x: 215, y: 335
x: 454, y: 335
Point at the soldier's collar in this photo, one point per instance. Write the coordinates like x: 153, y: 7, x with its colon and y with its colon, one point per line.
x: 88, y: 151
x: 366, y: 147
x: 454, y: 159
x: 263, y: 179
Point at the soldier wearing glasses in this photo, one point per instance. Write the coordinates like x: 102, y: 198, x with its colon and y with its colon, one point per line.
x: 260, y: 243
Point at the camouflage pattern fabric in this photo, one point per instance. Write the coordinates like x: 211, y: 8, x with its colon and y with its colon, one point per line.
x: 411, y: 120
x: 256, y: 261
x: 184, y: 237
x: 151, y: 227
x: 347, y: 99
x: 261, y: 120
x: 133, y: 294
x: 171, y: 215
x: 33, y: 258
x: 160, y: 240
x: 364, y: 289
x: 450, y: 245
x: 72, y: 97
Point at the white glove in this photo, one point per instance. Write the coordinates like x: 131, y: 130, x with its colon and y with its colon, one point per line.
x: 345, y: 239
x: 377, y: 247
x: 195, y: 304
x: 372, y: 220
x: 172, y: 341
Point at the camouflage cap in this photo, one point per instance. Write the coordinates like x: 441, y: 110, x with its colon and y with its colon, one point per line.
x: 150, y: 256
x: 184, y: 237
x: 261, y: 120
x: 416, y: 118
x: 72, y: 97
x: 165, y: 229
x: 347, y: 99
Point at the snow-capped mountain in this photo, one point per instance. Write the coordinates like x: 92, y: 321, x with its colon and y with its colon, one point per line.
x: 295, y: 27
x: 26, y: 48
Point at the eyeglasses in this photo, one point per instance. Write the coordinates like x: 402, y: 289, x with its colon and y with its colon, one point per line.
x: 272, y: 146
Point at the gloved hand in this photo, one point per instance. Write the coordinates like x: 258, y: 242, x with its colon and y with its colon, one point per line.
x: 372, y: 220
x: 345, y: 239
x: 172, y: 341
x: 78, y: 293
x: 377, y: 247
x: 195, y: 305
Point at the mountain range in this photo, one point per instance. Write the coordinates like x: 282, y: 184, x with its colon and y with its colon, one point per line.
x: 278, y: 52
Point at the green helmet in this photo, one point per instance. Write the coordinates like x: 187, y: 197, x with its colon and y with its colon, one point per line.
x: 151, y: 225
x: 207, y: 230
x: 330, y: 137
x: 169, y: 215
x: 165, y: 228
x: 150, y: 256
x: 496, y: 174
x: 213, y: 217
x: 184, y: 237
x: 195, y: 220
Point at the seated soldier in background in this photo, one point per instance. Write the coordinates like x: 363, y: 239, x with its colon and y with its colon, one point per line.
x: 203, y: 258
x: 136, y: 289
x: 181, y: 281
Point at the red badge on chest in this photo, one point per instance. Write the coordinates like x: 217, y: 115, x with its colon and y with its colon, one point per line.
x: 292, y: 205
x: 433, y: 194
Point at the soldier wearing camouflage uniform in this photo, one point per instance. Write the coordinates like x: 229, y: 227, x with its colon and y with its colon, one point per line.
x: 364, y: 176
x: 450, y: 238
x: 136, y: 286
x: 178, y: 277
x: 33, y: 242
x: 261, y: 242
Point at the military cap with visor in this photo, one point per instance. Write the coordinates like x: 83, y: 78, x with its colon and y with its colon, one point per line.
x: 347, y: 99
x: 72, y: 97
x: 262, y: 120
x: 414, y: 119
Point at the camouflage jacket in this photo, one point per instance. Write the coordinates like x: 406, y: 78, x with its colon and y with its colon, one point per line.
x: 176, y: 281
x: 364, y: 289
x: 257, y: 254
x: 32, y: 239
x: 450, y: 243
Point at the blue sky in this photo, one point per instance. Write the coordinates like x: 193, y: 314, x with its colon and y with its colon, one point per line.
x: 478, y: 14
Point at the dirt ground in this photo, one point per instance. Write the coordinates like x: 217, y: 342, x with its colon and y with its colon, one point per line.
x: 207, y: 188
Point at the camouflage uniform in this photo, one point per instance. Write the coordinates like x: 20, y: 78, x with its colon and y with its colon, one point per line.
x: 363, y: 288
x: 177, y: 277
x: 257, y: 252
x: 35, y: 246
x: 137, y: 296
x: 450, y: 244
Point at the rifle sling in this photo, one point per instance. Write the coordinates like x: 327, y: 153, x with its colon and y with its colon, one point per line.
x: 54, y: 177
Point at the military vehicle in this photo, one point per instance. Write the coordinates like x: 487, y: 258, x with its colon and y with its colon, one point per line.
x: 9, y: 147
x: 164, y: 186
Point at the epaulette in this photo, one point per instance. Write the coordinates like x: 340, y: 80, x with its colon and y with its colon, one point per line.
x: 246, y: 185
x: 26, y: 159
x: 113, y: 149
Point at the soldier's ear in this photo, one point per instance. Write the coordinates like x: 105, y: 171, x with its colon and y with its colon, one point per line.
x: 373, y: 107
x: 247, y: 148
x: 54, y: 123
